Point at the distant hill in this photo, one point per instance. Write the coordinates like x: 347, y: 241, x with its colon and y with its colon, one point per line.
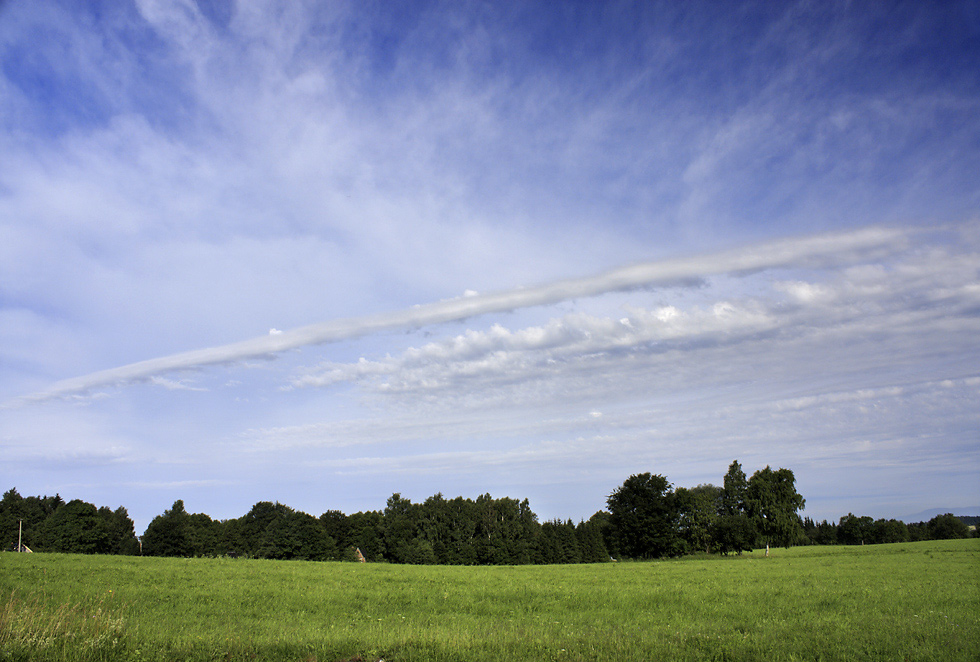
x: 963, y: 513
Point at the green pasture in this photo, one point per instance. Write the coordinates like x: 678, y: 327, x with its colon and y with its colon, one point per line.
x: 910, y: 601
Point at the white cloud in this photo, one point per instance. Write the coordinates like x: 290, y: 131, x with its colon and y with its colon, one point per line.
x: 807, y: 252
x: 919, y: 299
x: 173, y: 384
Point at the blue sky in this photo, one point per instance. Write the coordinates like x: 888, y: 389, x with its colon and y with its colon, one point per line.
x: 323, y: 252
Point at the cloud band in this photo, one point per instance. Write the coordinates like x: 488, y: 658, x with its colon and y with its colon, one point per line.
x: 808, y: 252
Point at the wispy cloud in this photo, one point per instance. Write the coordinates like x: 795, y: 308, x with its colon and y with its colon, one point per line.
x: 808, y: 252
x: 912, y: 299
x: 840, y: 356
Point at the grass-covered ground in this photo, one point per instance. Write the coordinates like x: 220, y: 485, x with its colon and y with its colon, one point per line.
x: 915, y: 601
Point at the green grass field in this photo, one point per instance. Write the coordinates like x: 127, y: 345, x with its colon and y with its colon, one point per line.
x: 915, y: 601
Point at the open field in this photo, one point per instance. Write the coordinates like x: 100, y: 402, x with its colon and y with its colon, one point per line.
x: 914, y: 601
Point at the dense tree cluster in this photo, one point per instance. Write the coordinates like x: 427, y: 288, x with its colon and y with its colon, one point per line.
x: 650, y: 519
x: 854, y: 530
x: 51, y: 525
x: 646, y: 518
x: 457, y: 531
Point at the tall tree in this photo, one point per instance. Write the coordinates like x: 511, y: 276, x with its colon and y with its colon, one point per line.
x: 463, y: 522
x: 401, y: 521
x: 734, y: 488
x: 11, y: 515
x: 733, y: 532
x: 591, y: 541
x: 122, y: 534
x: 773, y: 504
x: 643, y: 513
x: 169, y: 534
x: 698, y: 510
x: 367, y: 534
x: 337, y: 526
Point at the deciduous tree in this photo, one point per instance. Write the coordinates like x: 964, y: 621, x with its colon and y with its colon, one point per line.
x: 643, y: 513
x: 773, y: 504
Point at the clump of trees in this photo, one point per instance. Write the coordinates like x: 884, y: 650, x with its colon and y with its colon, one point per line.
x: 76, y: 527
x: 651, y: 519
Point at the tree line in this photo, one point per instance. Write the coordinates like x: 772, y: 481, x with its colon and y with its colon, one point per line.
x: 855, y: 530
x: 646, y: 518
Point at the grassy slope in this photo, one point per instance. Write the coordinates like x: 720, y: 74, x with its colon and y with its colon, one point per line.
x: 907, y: 601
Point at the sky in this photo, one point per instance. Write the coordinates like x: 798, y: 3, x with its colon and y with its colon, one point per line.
x: 323, y: 252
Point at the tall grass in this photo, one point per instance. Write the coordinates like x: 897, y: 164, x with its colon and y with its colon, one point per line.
x: 31, y: 629
x: 916, y: 601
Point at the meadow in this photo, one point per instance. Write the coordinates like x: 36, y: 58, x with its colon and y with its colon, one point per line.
x: 908, y: 601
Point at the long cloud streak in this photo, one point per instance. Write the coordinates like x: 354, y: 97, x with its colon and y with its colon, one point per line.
x: 837, y: 248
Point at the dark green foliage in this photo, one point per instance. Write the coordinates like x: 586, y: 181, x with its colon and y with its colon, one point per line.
x: 735, y: 488
x: 275, y: 531
x: 888, y: 531
x: 401, y: 523
x: 733, y: 534
x: 77, y: 528
x: 169, y: 534
x: 698, y: 510
x: 645, y: 516
x: 366, y: 535
x: 772, y: 503
x: 505, y: 532
x: 591, y: 541
x: 824, y: 533
x: 559, y: 543
x: 28, y: 513
x: 337, y: 526
x: 450, y: 528
x: 602, y: 521
x: 122, y: 536
x: 854, y: 530
x: 51, y: 525
x: 948, y: 526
